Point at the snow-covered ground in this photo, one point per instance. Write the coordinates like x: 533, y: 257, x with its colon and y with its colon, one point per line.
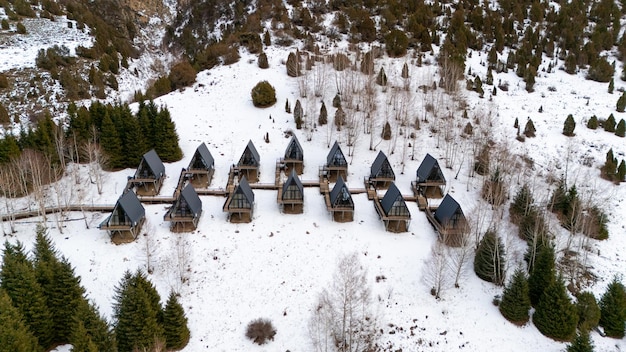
x: 275, y: 266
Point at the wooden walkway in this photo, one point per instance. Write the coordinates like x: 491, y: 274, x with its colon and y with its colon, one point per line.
x: 51, y: 210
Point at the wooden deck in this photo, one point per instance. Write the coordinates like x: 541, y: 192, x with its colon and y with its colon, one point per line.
x: 396, y: 224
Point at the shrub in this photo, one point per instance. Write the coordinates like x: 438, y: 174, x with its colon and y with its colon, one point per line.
x: 263, y: 94
x: 569, y: 126
x: 4, y: 82
x: 397, y: 43
x: 293, y: 66
x: 182, y: 75
x: 5, y: 24
x: 260, y: 331
x: 4, y: 115
x: 262, y: 61
x: 621, y: 128
x: 593, y: 122
x: 21, y: 29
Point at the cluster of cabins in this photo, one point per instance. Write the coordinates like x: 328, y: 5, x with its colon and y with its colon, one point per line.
x: 128, y: 216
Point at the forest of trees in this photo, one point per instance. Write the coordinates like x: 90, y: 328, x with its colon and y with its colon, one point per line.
x: 43, y: 305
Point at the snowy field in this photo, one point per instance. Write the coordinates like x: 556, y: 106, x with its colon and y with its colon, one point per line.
x: 275, y: 266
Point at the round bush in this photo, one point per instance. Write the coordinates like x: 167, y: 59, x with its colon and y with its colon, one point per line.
x: 263, y: 95
x: 260, y: 331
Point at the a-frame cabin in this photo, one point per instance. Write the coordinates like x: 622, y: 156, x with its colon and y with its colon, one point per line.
x: 429, y: 182
x: 291, y: 195
x: 249, y: 163
x: 393, y: 210
x: 449, y: 221
x: 149, y: 176
x: 381, y: 172
x: 201, y: 167
x: 336, y: 165
x: 126, y: 220
x: 341, y: 204
x: 185, y: 213
x: 240, y: 203
x: 294, y: 156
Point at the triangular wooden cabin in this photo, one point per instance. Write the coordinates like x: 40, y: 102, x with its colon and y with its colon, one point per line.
x: 294, y: 156
x: 249, y: 163
x: 201, y: 167
x: 149, y: 176
x: 126, y: 220
x: 185, y: 213
x: 291, y: 195
x: 381, y: 172
x: 393, y: 211
x: 336, y: 165
x: 341, y: 205
x: 429, y: 181
x: 449, y: 221
x: 240, y: 203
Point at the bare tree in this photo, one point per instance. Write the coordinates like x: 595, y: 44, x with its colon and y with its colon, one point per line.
x: 150, y: 246
x: 342, y: 318
x: 459, y: 257
x: 97, y: 161
x: 436, y: 270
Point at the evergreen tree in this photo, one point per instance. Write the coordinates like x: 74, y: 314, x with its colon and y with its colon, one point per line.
x: 96, y: 327
x: 60, y: 285
x: 386, y: 134
x: 516, y: 123
x: 81, y: 341
x: 287, y: 107
x: 515, y: 302
x: 542, y: 273
x: 405, y: 71
x: 582, y: 343
x: 138, y: 318
x: 18, y: 280
x: 175, y: 324
x: 621, y: 172
x: 621, y: 103
x: 340, y: 118
x: 611, y: 86
x: 569, y: 126
x: 381, y: 79
x: 298, y: 114
x: 14, y: 332
x: 489, y: 260
x: 613, y: 310
x: 609, y: 124
x: 111, y: 143
x: 267, y: 41
x: 588, y: 311
x: 593, y: 122
x: 293, y: 66
x: 609, y: 169
x: 323, y: 118
x: 262, y: 61
x: 167, y: 148
x: 337, y: 101
x: 621, y: 128
x: 522, y: 203
x: 555, y: 315
x: 529, y: 129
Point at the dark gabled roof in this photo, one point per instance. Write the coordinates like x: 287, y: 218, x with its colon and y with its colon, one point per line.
x: 293, y: 180
x: 192, y: 199
x: 335, y: 150
x: 294, y: 143
x: 379, y: 163
x: 336, y: 191
x: 131, y: 206
x: 429, y: 170
x: 204, y: 154
x: 447, y: 210
x: 255, y: 155
x: 154, y: 163
x: 390, y: 197
x: 244, y: 188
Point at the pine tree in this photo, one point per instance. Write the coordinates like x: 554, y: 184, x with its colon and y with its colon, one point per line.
x: 381, y: 79
x: 97, y: 328
x: 405, y: 71
x: 613, y: 310
x: 555, y: 315
x: 298, y: 114
x: 522, y: 203
x: 168, y: 148
x: 516, y: 123
x: 138, y: 318
x: 18, y: 280
x: 542, y: 273
x: 14, y: 332
x: 609, y: 124
x: 569, y: 126
x: 337, y: 101
x: 582, y: 343
x: 611, y: 86
x: 175, y: 324
x: 529, y: 129
x: 489, y: 260
x: 293, y: 66
x: 340, y: 118
x: 111, y: 143
x: 621, y: 103
x: 267, y: 41
x: 593, y: 122
x: 621, y: 128
x: 609, y: 169
x: 287, y: 107
x: 81, y: 341
x: 262, y: 61
x: 386, y: 134
x: 323, y: 118
x: 588, y: 311
x: 621, y: 172
x: 60, y: 285
x: 515, y: 302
